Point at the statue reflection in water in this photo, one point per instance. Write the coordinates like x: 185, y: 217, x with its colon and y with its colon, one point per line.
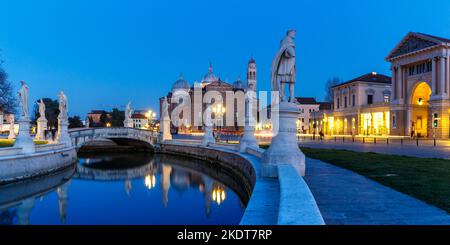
x: 63, y: 199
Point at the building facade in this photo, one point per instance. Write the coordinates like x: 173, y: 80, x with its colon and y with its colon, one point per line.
x: 210, y: 83
x: 360, y: 107
x: 420, y: 83
x: 413, y: 102
x: 307, y: 107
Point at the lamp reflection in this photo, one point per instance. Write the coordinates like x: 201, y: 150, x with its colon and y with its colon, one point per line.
x: 150, y: 181
x: 218, y: 194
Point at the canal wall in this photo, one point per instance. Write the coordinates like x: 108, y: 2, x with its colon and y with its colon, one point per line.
x: 283, y: 201
x: 15, y: 165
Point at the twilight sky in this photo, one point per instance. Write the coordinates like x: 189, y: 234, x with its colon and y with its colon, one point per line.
x: 104, y: 53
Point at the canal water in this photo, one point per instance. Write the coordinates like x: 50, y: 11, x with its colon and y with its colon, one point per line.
x: 127, y: 189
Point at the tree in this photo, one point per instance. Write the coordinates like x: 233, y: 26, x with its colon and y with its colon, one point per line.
x: 51, y: 112
x: 75, y: 122
x: 104, y: 119
x: 8, y: 101
x: 117, y: 118
x: 329, y: 95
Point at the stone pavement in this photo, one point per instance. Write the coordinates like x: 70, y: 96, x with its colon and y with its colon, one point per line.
x: 345, y: 197
x: 393, y: 149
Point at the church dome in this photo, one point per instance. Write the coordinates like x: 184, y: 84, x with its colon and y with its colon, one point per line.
x: 180, y: 84
x: 238, y: 85
x: 210, y: 76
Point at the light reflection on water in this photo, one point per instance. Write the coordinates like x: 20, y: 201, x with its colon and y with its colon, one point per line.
x: 124, y: 189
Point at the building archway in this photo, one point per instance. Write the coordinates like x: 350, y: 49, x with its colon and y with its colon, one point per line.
x: 419, y: 102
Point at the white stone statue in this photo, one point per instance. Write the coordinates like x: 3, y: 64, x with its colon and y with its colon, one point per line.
x: 23, y: 99
x: 12, y: 134
x: 128, y: 111
x: 63, y: 105
x: 283, y: 67
x: 165, y: 108
x: 41, y: 109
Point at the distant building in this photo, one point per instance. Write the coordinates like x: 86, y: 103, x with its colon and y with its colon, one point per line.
x: 415, y: 101
x: 140, y: 120
x: 211, y: 82
x: 360, y: 106
x: 307, y: 107
x: 94, y: 117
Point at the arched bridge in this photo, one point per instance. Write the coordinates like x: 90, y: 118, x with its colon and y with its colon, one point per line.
x: 81, y: 136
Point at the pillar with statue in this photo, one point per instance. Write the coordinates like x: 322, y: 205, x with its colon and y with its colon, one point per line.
x: 41, y: 122
x: 23, y: 139
x: 165, y: 122
x: 63, y: 136
x: 284, y: 148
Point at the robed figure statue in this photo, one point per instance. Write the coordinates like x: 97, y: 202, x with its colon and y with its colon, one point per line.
x: 23, y: 99
x: 283, y: 70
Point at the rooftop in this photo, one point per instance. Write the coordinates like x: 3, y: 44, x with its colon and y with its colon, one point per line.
x: 372, y: 77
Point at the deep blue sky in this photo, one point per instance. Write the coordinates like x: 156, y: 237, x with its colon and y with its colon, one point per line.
x: 104, y: 53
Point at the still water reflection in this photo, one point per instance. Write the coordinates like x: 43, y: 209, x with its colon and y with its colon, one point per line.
x: 124, y: 189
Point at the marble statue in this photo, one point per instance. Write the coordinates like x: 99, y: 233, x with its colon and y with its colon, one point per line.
x: 284, y: 147
x: 12, y: 134
x: 63, y: 104
x: 23, y: 99
x: 41, y: 108
x: 165, y: 108
x: 128, y: 111
x: 283, y: 67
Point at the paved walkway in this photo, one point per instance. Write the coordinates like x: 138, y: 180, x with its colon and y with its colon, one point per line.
x: 345, y: 197
x: 394, y: 149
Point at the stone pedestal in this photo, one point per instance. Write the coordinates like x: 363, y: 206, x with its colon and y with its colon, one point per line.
x: 208, y: 136
x: 41, y: 127
x: 128, y: 123
x: 248, y: 139
x: 165, y: 129
x: 284, y: 148
x: 12, y: 134
x: 63, y: 136
x: 24, y: 139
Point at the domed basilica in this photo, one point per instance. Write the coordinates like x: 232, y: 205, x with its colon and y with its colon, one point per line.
x: 210, y: 82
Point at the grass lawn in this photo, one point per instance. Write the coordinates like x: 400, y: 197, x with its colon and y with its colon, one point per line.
x: 427, y: 179
x: 9, y: 143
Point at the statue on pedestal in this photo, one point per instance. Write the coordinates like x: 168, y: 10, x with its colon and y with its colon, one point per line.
x: 23, y: 100
x: 23, y: 139
x: 41, y: 121
x: 63, y: 121
x: 283, y: 67
x: 63, y: 105
x: 165, y: 121
x: 128, y: 122
x: 12, y: 134
x: 284, y: 148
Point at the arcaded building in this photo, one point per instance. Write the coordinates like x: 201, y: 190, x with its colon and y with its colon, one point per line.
x: 414, y: 101
x: 420, y: 83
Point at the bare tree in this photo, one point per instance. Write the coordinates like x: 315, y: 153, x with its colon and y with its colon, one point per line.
x: 329, y: 95
x: 8, y: 101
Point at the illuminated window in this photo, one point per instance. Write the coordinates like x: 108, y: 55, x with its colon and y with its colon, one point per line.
x: 386, y: 99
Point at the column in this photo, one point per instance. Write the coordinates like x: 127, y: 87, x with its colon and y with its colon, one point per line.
x: 394, y: 82
x: 442, y: 76
x: 399, y: 82
x: 433, y: 76
x: 408, y: 121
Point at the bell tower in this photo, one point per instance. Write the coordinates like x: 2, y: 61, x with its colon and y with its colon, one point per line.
x: 251, y: 75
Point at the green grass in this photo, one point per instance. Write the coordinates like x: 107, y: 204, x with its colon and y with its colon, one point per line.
x: 9, y: 143
x: 427, y: 179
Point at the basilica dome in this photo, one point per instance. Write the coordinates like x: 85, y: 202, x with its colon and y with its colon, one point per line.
x: 238, y: 85
x: 210, y: 76
x: 180, y: 84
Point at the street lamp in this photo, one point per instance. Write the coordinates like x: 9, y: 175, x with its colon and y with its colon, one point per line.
x: 150, y: 115
x: 218, y: 111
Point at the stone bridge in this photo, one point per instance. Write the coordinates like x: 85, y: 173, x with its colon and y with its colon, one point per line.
x: 81, y: 136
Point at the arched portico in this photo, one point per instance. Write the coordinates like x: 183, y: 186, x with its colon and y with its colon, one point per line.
x: 419, y: 110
